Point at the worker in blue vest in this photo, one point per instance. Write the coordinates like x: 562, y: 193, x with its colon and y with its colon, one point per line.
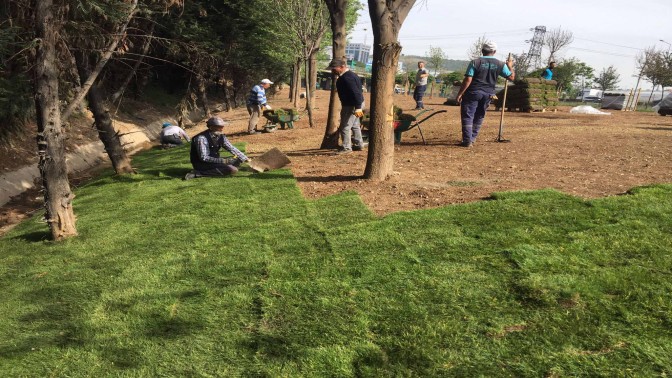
x: 477, y: 90
x: 205, y: 149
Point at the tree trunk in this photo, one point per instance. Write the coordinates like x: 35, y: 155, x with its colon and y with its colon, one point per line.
x: 311, y: 79
x: 50, y: 139
x: 296, y: 86
x: 227, y: 95
x: 202, y: 94
x: 387, y: 17
x: 337, y: 9
x: 121, y: 161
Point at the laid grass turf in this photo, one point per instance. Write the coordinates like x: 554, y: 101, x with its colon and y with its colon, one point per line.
x: 243, y: 277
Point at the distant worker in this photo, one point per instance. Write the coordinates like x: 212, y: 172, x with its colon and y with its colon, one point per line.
x: 548, y: 72
x: 420, y: 85
x: 205, y: 148
x: 477, y: 90
x: 255, y: 102
x: 349, y: 88
x: 171, y: 135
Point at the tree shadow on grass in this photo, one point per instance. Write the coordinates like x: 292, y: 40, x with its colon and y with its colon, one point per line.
x: 34, y: 237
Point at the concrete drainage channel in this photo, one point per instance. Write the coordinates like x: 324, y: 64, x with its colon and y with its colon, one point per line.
x: 136, y: 138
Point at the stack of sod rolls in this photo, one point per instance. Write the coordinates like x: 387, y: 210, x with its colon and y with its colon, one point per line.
x: 530, y: 94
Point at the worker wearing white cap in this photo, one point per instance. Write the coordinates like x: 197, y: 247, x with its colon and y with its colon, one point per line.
x: 255, y: 102
x: 477, y: 90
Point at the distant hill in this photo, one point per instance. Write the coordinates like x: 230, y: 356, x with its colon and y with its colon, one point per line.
x: 411, y: 63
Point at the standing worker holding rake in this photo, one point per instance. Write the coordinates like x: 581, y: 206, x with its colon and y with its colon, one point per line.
x: 477, y: 90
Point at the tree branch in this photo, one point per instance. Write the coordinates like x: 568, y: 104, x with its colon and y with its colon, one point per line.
x: 99, y: 67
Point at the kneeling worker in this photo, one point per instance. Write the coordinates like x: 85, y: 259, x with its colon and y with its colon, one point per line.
x: 172, y: 135
x: 205, y: 152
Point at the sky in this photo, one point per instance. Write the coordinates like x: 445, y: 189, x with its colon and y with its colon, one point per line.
x: 608, y: 32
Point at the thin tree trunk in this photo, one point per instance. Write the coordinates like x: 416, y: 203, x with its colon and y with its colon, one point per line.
x: 101, y: 63
x: 309, y: 91
x: 337, y: 10
x: 227, y: 95
x: 131, y: 75
x: 121, y: 161
x: 202, y: 94
x: 50, y: 139
x: 312, y: 79
x: 296, y: 87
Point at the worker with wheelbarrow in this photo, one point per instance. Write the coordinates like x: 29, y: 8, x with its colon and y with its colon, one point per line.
x: 477, y: 90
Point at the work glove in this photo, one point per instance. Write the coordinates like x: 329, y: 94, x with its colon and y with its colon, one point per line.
x: 267, y: 107
x: 359, y: 113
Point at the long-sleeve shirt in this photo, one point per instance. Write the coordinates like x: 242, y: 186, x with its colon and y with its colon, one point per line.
x: 349, y: 88
x: 222, y: 142
x: 257, y: 96
x: 174, y: 130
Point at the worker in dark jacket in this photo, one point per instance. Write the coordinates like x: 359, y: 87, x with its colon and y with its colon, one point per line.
x: 477, y: 90
x: 205, y: 152
x: 349, y: 88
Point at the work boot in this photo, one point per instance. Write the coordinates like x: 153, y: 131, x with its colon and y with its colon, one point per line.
x: 190, y: 175
x: 344, y: 151
x: 465, y: 144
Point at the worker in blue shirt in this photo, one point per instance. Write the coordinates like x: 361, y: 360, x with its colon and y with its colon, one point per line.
x: 548, y: 72
x: 255, y: 102
x: 477, y: 90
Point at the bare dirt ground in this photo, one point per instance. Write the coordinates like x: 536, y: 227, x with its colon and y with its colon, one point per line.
x: 589, y: 156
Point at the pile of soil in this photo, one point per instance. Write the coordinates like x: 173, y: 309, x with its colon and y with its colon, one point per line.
x: 589, y: 156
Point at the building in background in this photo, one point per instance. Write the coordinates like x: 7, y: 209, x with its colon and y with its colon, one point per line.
x: 358, y: 52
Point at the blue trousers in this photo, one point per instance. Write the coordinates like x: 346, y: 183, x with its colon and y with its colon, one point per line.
x: 418, y: 94
x: 472, y: 112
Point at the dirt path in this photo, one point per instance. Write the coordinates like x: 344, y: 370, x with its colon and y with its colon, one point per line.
x: 584, y: 155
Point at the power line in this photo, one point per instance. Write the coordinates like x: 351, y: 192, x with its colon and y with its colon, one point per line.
x: 601, y: 52
x: 607, y: 43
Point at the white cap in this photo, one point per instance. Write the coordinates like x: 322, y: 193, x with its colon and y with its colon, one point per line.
x: 266, y: 81
x: 489, y: 46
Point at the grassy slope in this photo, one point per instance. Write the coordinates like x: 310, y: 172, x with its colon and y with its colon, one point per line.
x: 243, y: 277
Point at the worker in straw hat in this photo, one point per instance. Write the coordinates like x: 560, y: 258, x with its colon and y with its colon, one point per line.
x: 477, y: 90
x: 205, y: 149
x: 255, y: 102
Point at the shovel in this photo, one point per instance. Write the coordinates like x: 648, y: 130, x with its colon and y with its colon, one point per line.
x: 500, y: 137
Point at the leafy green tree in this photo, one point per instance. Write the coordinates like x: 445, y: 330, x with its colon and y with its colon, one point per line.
x: 435, y: 58
x: 607, y: 79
